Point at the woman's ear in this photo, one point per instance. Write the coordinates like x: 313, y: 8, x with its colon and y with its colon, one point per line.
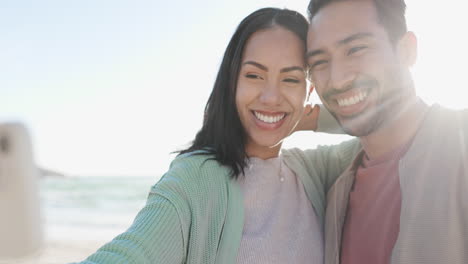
x: 407, y: 49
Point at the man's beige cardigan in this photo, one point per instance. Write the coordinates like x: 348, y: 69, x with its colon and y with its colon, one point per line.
x: 434, y: 188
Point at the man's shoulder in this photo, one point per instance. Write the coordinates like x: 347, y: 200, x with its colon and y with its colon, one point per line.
x: 444, y: 123
x: 440, y: 114
x: 441, y: 140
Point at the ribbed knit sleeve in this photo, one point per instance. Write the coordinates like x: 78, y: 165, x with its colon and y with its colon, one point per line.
x: 331, y: 161
x: 319, y: 168
x: 155, y: 237
x: 193, y: 215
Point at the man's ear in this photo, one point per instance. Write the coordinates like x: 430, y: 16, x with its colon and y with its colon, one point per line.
x: 407, y: 49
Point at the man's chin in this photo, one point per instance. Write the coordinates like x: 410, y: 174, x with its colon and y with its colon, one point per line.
x: 353, y: 131
x: 358, y: 126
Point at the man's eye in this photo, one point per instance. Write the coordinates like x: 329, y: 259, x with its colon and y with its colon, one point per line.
x: 318, y: 64
x: 291, y: 80
x: 356, y: 49
x: 253, y: 76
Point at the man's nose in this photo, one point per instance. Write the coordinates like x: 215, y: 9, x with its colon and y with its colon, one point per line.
x: 341, y: 75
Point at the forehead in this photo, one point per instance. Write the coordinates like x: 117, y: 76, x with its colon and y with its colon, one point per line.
x: 273, y: 44
x: 340, y: 19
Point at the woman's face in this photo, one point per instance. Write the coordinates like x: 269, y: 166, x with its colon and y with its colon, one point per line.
x: 271, y: 89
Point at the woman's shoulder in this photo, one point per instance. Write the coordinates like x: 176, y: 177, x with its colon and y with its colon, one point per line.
x: 198, y: 161
x: 196, y: 171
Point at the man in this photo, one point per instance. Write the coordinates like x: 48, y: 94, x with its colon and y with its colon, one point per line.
x: 405, y: 197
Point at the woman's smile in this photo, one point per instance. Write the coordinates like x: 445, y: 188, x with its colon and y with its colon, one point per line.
x: 269, y: 120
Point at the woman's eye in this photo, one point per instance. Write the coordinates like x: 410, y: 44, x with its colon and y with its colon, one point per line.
x: 356, y: 49
x: 253, y: 76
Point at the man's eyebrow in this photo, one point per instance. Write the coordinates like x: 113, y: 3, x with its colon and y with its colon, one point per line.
x: 292, y: 68
x: 313, y: 53
x: 256, y: 64
x: 354, y: 37
x: 339, y: 43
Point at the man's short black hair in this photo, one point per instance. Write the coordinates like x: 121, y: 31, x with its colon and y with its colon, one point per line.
x: 391, y: 14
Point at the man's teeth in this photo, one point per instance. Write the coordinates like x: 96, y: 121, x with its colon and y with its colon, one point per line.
x: 269, y: 119
x: 353, y: 99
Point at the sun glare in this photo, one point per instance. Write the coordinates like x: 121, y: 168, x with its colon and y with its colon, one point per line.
x: 439, y: 72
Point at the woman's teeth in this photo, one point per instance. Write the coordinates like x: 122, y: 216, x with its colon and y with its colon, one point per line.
x: 353, y: 99
x: 269, y: 118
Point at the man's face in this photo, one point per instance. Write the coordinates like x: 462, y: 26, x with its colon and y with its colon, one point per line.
x: 354, y: 66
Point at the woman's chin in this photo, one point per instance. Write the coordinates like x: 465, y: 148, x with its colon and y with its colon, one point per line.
x: 265, y: 145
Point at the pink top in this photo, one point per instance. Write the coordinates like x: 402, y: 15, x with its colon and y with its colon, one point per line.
x: 373, y: 217
x: 280, y: 224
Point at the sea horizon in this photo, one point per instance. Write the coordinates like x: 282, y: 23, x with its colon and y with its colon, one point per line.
x: 91, y: 208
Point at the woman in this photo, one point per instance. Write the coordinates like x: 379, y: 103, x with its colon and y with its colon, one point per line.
x: 231, y: 197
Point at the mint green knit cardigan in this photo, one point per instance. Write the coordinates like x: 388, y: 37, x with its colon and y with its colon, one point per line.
x: 194, y: 214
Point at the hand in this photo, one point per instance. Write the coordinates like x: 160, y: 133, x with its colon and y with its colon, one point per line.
x: 309, y: 119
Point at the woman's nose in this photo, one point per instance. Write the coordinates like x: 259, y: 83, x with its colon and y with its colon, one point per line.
x: 271, y: 94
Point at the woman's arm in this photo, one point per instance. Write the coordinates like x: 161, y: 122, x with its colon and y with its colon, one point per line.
x: 156, y: 235
x: 325, y: 162
x: 320, y: 167
x: 318, y: 119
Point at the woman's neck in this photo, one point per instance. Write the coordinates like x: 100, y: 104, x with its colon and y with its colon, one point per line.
x: 262, y: 152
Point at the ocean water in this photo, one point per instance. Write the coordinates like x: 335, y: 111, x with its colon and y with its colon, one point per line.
x: 91, y: 208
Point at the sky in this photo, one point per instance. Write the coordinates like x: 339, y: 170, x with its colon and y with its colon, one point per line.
x: 111, y: 88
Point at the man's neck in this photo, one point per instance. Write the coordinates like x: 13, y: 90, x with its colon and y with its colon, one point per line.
x: 396, y: 132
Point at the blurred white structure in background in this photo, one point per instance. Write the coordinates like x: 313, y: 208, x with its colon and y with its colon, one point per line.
x: 21, y: 232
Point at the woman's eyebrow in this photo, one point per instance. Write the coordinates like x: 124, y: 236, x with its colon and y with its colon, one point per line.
x: 283, y: 70
x: 256, y: 64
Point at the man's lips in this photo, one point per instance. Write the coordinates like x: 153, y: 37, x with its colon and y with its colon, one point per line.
x: 350, y: 102
x: 352, y: 99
